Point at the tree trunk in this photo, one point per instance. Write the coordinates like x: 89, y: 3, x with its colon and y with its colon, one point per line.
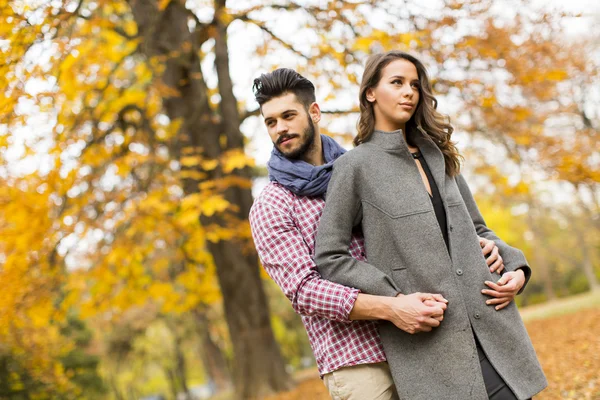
x: 213, y: 359
x: 541, y: 264
x: 114, y: 385
x: 258, y: 367
x: 172, y: 379
x: 588, y: 266
x: 539, y: 261
x: 180, y: 365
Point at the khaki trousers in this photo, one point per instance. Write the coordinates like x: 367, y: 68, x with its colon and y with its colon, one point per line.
x: 361, y: 382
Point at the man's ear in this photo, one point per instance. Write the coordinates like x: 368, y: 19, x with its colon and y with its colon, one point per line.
x: 315, y: 113
x: 370, y: 95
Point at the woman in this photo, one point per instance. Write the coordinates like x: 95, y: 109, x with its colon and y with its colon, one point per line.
x: 420, y: 224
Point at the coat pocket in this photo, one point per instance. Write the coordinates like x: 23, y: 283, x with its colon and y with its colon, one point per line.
x: 401, y: 278
x: 398, y: 209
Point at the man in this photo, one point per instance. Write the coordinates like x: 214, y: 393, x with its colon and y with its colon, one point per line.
x: 284, y: 218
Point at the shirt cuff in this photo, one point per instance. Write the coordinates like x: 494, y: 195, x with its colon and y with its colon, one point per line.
x: 348, y: 303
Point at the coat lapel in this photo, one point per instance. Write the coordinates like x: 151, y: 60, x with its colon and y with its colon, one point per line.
x: 435, y: 161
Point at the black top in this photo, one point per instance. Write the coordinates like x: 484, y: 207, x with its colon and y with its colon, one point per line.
x: 436, y: 199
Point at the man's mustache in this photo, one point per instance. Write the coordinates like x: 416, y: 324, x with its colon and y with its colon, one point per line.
x: 285, y: 137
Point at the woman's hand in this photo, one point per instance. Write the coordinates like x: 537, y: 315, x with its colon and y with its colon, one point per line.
x: 494, y: 259
x: 505, y: 290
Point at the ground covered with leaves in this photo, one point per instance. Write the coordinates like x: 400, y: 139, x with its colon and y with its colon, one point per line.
x: 568, y: 347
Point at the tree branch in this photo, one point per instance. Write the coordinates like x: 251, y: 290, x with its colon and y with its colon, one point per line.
x: 274, y: 36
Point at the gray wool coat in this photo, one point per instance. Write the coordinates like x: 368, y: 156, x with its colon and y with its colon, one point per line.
x: 378, y: 184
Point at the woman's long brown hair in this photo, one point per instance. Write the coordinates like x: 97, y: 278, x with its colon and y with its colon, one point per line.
x: 426, y: 121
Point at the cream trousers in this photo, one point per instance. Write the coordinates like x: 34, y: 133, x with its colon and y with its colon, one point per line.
x: 361, y: 382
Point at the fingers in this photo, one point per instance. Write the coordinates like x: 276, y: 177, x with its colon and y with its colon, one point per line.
x: 497, y: 294
x: 499, y: 287
x: 501, y: 306
x: 487, y: 246
x: 500, y: 300
x: 500, y: 268
x: 432, y: 300
x: 495, y: 266
x: 440, y: 298
x: 432, y: 308
x: 426, y: 324
x: 504, y: 279
x: 493, y: 293
x: 430, y: 303
x: 438, y: 315
x: 423, y: 324
x: 431, y: 322
x: 494, y: 255
x: 433, y: 311
x: 431, y: 296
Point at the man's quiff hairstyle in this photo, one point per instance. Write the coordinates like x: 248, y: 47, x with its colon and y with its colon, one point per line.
x: 283, y: 81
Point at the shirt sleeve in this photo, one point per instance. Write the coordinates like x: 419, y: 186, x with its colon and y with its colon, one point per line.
x: 342, y: 212
x: 287, y: 259
x: 513, y: 258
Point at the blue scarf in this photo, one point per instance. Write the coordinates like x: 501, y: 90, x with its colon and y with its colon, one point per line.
x: 300, y: 177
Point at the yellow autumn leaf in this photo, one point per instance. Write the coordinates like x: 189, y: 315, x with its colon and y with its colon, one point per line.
x: 162, y: 4
x: 209, y: 165
x: 213, y: 204
x: 190, y: 161
x: 556, y: 75
x: 236, y: 159
x: 189, y: 217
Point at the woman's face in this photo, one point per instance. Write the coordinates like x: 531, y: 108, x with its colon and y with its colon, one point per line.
x: 396, y: 95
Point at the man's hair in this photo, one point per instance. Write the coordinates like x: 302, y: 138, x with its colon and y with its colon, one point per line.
x: 283, y: 81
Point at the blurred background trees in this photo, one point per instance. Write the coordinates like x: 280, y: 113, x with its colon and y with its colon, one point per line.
x: 128, y: 134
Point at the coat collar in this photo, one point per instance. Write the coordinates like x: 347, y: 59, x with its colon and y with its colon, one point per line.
x: 394, y: 141
x: 388, y: 140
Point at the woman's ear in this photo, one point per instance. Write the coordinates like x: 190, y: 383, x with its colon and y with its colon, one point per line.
x: 370, y: 95
x: 315, y: 113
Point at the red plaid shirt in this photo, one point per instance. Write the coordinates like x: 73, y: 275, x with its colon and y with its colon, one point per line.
x: 284, y: 228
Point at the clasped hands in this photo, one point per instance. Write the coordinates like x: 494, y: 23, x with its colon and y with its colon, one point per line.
x: 421, y: 312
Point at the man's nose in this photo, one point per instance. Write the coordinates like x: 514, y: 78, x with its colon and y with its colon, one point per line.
x: 282, y: 127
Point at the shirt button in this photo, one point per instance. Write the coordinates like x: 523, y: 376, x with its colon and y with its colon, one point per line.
x: 459, y: 272
x: 477, y: 316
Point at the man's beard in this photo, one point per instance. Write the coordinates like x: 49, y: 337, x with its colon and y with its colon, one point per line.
x: 309, y: 139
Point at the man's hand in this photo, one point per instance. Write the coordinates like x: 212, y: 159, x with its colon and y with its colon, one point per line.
x: 505, y: 290
x: 417, y: 312
x: 494, y: 260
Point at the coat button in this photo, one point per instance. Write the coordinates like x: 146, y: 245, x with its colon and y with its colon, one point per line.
x: 451, y: 228
x: 459, y: 272
x: 477, y: 316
